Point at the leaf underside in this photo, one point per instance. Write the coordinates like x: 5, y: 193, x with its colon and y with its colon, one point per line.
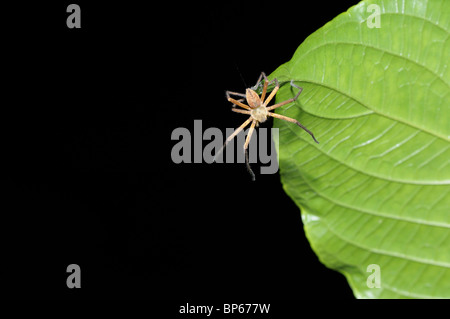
x: 376, y: 189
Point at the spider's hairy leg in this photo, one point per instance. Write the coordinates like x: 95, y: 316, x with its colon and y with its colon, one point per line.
x: 247, y: 141
x: 236, y: 132
x: 249, y: 136
x: 234, y: 93
x: 264, y: 91
x: 266, y: 84
x: 242, y: 111
x: 237, y: 102
x: 274, y: 91
x: 285, y: 118
x: 258, y: 83
x: 270, y: 108
x: 289, y: 100
x: 255, y: 87
x: 300, y: 89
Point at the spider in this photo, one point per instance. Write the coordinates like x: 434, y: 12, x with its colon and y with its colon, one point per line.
x: 259, y: 111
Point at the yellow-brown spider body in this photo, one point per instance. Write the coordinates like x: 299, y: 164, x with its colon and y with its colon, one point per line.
x: 259, y: 114
x: 253, y: 98
x: 259, y: 111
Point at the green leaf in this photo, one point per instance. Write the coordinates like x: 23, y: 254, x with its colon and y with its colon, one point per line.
x: 376, y: 189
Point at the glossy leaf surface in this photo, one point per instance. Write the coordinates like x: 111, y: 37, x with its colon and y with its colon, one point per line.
x: 375, y: 191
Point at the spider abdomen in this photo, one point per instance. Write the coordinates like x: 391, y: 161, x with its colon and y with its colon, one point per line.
x: 253, y: 99
x: 260, y: 113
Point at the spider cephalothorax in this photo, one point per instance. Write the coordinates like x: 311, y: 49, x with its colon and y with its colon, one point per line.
x: 259, y: 111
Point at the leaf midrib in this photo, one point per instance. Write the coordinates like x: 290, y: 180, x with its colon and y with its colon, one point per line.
x: 373, y: 213
x: 409, y: 182
x: 375, y: 111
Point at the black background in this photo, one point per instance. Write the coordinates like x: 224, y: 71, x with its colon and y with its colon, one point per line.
x: 88, y: 176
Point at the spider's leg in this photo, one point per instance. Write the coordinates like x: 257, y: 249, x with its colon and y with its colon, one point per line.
x: 249, y: 169
x: 267, y: 80
x: 234, y: 93
x: 285, y: 118
x: 237, y: 102
x: 266, y: 84
x: 241, y: 111
x: 240, y: 100
x: 270, y: 108
x: 287, y: 101
x: 272, y: 94
x: 236, y: 132
x: 259, y: 81
x: 300, y: 89
x: 264, y: 91
x: 249, y: 135
x: 247, y: 141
